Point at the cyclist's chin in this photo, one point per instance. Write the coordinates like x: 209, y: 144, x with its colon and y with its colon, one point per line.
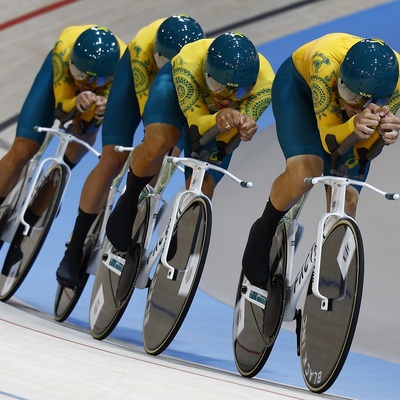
x: 351, y: 111
x: 83, y: 88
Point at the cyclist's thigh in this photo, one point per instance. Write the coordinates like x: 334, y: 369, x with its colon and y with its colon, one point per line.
x: 122, y: 116
x: 38, y: 108
x: 162, y: 105
x: 22, y: 150
x: 291, y: 95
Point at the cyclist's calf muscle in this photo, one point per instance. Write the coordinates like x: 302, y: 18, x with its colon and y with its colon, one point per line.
x: 12, y: 164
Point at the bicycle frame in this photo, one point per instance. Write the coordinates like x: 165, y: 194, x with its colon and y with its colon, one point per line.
x: 199, y: 169
x: 337, y: 211
x: 311, y: 266
x: 157, y: 206
x: 17, y: 196
x: 25, y: 188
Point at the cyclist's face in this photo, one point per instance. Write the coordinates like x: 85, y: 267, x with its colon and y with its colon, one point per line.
x: 221, y: 103
x: 86, y: 82
x: 82, y: 87
x: 351, y: 111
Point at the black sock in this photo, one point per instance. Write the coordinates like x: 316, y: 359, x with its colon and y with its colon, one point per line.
x: 83, y: 223
x: 70, y: 164
x: 120, y: 221
x: 255, y: 262
x: 1, y: 200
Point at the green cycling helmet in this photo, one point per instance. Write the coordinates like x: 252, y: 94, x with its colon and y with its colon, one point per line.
x: 94, y: 56
x: 368, y: 74
x: 231, y: 66
x: 173, y: 34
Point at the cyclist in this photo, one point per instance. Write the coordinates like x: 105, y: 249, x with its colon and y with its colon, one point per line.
x: 329, y: 87
x: 77, y: 73
x: 223, y: 81
x: 147, y: 52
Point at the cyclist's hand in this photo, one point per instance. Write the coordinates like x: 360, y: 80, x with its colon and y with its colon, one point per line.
x: 84, y: 101
x: 389, y: 127
x: 228, y: 119
x: 247, y: 129
x: 101, y: 102
x: 366, y: 121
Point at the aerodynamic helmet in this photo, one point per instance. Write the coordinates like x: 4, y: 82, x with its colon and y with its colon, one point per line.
x: 231, y: 66
x: 368, y: 74
x: 173, y: 34
x: 94, y: 56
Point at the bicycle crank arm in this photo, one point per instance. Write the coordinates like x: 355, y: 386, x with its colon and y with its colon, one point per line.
x: 113, y: 262
x: 254, y: 294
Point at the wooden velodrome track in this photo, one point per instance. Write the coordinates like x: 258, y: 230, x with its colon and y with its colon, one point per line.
x: 42, y: 359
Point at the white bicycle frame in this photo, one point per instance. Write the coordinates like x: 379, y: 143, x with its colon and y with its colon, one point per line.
x: 178, y: 203
x: 312, y: 265
x: 34, y: 171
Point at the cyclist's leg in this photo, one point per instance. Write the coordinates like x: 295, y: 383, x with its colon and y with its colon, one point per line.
x: 122, y: 116
x: 146, y: 159
x: 38, y: 109
x: 304, y: 157
x: 163, y: 121
x: 93, y: 198
x: 66, y: 297
x: 75, y: 151
x: 68, y: 271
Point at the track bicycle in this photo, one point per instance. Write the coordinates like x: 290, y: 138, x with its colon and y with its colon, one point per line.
x: 174, y: 237
x: 323, y: 295
x: 66, y: 297
x: 27, y: 213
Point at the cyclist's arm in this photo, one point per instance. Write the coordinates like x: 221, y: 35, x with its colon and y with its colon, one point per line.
x: 192, y: 91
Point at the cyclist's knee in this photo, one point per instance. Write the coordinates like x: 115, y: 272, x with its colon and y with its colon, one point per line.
x: 22, y: 150
x: 159, y: 140
x: 111, y: 162
x: 305, y: 166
